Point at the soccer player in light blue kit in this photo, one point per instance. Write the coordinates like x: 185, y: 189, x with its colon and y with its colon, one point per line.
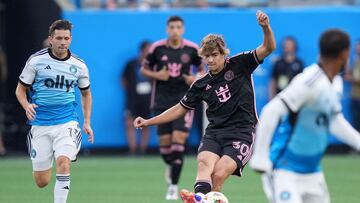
x: 51, y: 75
x: 306, y: 111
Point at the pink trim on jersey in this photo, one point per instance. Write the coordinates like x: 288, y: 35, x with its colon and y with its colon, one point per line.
x: 248, y: 156
x: 189, y: 43
x: 157, y: 44
x: 252, y: 85
x: 255, y: 57
x: 165, y: 150
x: 177, y: 147
x: 186, y: 106
x: 189, y: 116
x: 152, y: 98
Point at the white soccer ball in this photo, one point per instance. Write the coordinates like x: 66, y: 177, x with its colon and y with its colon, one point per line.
x: 215, y: 197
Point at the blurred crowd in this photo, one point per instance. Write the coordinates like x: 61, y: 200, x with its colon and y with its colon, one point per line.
x: 165, y: 4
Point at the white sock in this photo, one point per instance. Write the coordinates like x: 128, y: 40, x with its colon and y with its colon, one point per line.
x: 62, y: 187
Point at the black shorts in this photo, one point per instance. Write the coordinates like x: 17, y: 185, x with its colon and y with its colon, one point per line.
x: 237, y: 148
x: 181, y: 124
x: 139, y: 106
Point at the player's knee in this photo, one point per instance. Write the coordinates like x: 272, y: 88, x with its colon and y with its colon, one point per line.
x: 63, y: 164
x: 41, y: 182
x: 203, y: 164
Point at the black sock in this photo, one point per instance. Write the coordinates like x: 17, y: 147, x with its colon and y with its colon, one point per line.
x: 166, y: 154
x: 177, y: 162
x: 202, y: 186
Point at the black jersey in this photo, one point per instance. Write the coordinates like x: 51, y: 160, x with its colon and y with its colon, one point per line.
x: 177, y: 62
x: 229, y: 96
x: 283, y: 72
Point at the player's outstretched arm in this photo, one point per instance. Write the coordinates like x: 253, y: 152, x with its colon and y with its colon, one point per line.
x: 22, y: 98
x: 169, y: 115
x: 270, y: 116
x: 86, y: 102
x: 269, y: 44
x: 343, y: 130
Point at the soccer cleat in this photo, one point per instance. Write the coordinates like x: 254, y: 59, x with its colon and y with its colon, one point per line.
x: 187, y: 196
x: 172, y: 193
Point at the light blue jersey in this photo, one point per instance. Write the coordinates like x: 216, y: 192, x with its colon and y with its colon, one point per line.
x: 302, y: 136
x: 52, y: 82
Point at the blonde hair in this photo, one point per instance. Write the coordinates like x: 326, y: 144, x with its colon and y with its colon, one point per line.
x: 212, y: 42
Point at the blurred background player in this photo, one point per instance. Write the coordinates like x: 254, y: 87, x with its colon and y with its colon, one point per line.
x: 138, y: 90
x: 51, y: 75
x: 308, y: 109
x: 3, y: 77
x: 228, y: 91
x: 286, y: 67
x: 353, y: 76
x: 169, y: 63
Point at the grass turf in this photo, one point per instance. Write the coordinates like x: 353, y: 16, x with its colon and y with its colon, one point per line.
x: 141, y: 180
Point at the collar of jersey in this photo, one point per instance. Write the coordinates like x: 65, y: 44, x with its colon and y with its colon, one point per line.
x: 59, y: 59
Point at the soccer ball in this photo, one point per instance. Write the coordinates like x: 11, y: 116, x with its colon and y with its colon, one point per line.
x: 215, y: 197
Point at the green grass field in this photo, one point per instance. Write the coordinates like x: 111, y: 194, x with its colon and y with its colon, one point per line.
x: 141, y: 180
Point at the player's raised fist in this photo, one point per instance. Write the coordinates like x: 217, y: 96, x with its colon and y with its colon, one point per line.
x: 262, y: 18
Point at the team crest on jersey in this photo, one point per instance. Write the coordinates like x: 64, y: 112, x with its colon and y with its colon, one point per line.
x: 73, y: 69
x: 185, y: 58
x: 208, y: 87
x: 285, y: 195
x: 229, y: 75
x: 223, y: 93
x: 33, y: 153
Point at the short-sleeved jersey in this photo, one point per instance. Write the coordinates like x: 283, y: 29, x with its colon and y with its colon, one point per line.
x: 302, y: 136
x: 52, y: 82
x: 229, y: 96
x: 177, y: 62
x: 283, y: 72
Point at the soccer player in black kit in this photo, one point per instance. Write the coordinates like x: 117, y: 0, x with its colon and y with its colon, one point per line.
x: 169, y: 64
x: 228, y: 91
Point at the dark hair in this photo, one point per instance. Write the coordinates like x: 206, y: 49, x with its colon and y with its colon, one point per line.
x: 144, y: 44
x: 59, y: 25
x: 290, y: 38
x: 174, y: 18
x: 333, y: 42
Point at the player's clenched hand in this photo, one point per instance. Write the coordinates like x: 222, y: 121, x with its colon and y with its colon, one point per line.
x: 262, y: 19
x: 163, y: 74
x: 89, y: 132
x: 139, y: 123
x: 30, y: 111
x: 189, y: 79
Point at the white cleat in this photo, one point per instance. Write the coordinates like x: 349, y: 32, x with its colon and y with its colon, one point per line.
x: 172, y: 193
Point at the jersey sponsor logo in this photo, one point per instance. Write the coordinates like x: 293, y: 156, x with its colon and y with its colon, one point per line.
x: 185, y: 58
x: 174, y: 69
x: 60, y: 82
x: 164, y: 58
x: 47, y: 67
x: 229, y: 75
x: 223, y: 93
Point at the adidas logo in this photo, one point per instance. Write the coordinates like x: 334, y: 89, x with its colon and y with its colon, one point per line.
x: 47, y: 67
x: 66, y: 188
